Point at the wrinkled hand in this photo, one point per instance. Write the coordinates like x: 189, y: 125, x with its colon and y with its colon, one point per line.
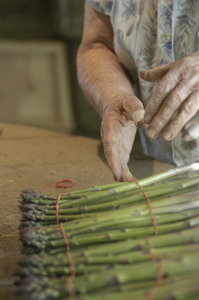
x: 175, y: 99
x: 118, y: 129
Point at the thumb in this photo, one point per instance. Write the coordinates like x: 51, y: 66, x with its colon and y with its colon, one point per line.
x: 192, y: 132
x: 134, y: 110
x: 138, y: 118
x: 155, y: 74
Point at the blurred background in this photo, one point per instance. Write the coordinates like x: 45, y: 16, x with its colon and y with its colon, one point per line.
x: 38, y: 83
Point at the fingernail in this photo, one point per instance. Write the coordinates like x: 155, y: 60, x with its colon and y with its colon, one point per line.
x: 138, y: 116
x: 142, y: 124
x: 151, y: 133
x: 147, y: 118
x: 166, y: 136
x: 187, y: 137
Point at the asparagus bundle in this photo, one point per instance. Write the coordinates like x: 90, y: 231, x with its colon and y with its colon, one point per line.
x: 114, y: 241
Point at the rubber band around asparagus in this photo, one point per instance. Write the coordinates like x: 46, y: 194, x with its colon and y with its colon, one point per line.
x: 151, y: 249
x: 160, y: 272
x: 57, y: 208
x: 150, y: 294
x: 68, y: 253
x: 70, y: 184
x: 150, y: 207
x: 70, y: 287
x: 70, y: 262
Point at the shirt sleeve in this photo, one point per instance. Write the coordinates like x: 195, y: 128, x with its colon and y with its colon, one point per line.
x: 103, y: 6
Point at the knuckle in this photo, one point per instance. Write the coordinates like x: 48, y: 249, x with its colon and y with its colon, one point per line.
x: 185, y: 61
x: 154, y: 102
x: 189, y: 74
x: 174, y: 101
x: 176, y: 126
x: 196, y: 98
x: 178, y: 123
x: 165, y: 87
x: 186, y: 78
x: 160, y: 122
x: 189, y: 108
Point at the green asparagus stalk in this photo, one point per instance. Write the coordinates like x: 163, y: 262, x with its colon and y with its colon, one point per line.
x: 111, y: 233
x: 178, y: 289
x: 165, y: 205
x: 114, y: 235
x: 117, y: 195
x: 57, y: 265
x: 189, y: 171
x: 187, y: 236
x: 184, y: 237
x: 54, y: 233
x: 123, y: 275
x: 177, y: 197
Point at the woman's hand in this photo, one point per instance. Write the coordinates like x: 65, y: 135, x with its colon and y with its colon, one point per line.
x: 109, y: 90
x: 118, y: 129
x: 175, y: 99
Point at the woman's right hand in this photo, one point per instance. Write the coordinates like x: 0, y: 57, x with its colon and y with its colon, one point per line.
x: 118, y: 130
x: 108, y: 89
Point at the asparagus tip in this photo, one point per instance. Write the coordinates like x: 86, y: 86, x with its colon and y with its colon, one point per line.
x: 28, y: 194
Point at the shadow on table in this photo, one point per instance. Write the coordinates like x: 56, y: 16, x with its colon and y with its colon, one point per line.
x: 140, y: 165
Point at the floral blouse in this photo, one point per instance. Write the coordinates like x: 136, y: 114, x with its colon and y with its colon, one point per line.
x: 149, y: 33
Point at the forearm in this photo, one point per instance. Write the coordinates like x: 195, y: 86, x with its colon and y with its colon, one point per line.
x: 101, y: 76
x: 108, y: 89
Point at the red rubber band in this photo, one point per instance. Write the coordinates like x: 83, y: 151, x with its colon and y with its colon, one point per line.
x: 70, y: 287
x: 57, y: 208
x: 150, y: 207
x: 70, y: 184
x: 151, y: 249
x: 150, y: 293
x: 68, y: 253
x: 160, y: 272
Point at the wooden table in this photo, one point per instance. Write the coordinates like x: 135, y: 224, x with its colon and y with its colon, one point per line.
x: 35, y: 158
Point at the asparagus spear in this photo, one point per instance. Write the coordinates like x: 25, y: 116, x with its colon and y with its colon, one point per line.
x: 110, y: 231
x: 125, y: 274
x: 56, y: 265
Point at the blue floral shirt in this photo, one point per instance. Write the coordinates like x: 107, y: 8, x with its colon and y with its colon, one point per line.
x: 149, y: 33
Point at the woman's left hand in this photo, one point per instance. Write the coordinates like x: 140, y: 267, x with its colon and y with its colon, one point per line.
x: 175, y: 99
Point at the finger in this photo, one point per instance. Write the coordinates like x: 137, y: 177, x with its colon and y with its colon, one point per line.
x: 110, y: 144
x: 188, y: 110
x: 138, y: 118
x: 111, y: 156
x: 114, y: 165
x: 192, y: 132
x: 160, y: 92
x: 155, y: 74
x: 117, y: 141
x: 133, y: 109
x: 118, y: 168
x: 168, y: 109
x: 126, y: 174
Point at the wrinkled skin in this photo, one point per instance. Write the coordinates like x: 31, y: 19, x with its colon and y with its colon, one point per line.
x: 118, y: 133
x: 108, y: 89
x: 175, y: 99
